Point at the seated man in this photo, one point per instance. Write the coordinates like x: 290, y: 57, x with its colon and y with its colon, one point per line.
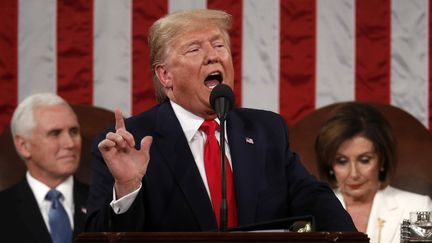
x: 48, y: 205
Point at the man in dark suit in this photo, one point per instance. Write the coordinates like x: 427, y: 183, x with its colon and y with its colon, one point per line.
x: 150, y: 173
x: 47, y: 137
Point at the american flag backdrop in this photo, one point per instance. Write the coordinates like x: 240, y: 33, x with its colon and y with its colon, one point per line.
x: 291, y: 56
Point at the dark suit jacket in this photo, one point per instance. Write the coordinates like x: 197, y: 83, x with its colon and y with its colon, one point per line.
x: 270, y: 182
x: 21, y: 219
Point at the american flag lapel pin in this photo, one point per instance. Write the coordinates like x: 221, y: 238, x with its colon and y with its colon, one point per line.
x: 249, y: 140
x: 84, y: 210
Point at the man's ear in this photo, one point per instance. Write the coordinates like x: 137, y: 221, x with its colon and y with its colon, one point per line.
x: 164, y: 76
x: 22, y: 146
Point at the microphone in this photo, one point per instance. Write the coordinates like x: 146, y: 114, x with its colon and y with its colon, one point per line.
x: 222, y: 100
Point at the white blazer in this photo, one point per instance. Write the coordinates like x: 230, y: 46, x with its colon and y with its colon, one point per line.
x: 391, y: 206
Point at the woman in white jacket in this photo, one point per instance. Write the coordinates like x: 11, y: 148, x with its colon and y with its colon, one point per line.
x: 355, y: 152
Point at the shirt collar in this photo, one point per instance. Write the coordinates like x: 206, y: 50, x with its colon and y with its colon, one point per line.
x: 40, y: 190
x: 189, y: 122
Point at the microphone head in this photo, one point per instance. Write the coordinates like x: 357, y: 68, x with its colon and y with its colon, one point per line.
x: 222, y: 91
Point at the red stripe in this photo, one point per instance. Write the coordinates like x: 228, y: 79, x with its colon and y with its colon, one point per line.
x: 75, y: 50
x: 143, y: 15
x: 430, y: 67
x: 297, y: 59
x: 373, y: 50
x: 8, y: 60
x: 235, y: 8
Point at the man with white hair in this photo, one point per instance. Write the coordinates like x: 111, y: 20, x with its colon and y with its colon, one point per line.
x: 48, y: 204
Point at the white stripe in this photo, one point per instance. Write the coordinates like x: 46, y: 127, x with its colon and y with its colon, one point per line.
x: 335, y: 52
x: 37, y: 47
x: 335, y: 66
x: 409, y: 59
x: 112, y: 55
x: 260, y: 55
x: 174, y: 5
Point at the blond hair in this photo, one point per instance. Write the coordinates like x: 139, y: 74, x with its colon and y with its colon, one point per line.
x: 165, y: 30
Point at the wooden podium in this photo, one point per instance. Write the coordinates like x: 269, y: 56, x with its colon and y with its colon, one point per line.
x: 312, y: 237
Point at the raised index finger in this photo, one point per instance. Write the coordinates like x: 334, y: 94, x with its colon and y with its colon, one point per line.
x: 119, y: 122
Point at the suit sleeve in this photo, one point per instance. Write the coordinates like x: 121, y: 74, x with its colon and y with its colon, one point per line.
x: 308, y: 196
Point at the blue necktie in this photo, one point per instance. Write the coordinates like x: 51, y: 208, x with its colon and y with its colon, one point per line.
x: 61, y: 231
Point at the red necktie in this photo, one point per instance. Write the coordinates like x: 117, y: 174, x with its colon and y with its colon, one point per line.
x: 212, y: 164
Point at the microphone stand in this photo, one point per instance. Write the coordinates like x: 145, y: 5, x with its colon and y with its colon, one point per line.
x: 221, y: 100
x: 224, y: 208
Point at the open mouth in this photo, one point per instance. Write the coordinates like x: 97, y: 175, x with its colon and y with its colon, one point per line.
x: 213, y: 79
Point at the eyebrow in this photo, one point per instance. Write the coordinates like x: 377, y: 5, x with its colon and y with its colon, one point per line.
x: 373, y: 152
x: 213, y: 38
x: 61, y: 129
x: 368, y: 153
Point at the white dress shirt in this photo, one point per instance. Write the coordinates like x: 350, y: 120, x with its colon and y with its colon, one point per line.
x: 190, y: 124
x: 40, y: 190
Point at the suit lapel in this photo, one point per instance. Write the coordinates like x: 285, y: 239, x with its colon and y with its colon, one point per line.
x: 174, y: 148
x: 248, y: 166
x: 386, y: 210
x: 80, y: 193
x: 30, y: 214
